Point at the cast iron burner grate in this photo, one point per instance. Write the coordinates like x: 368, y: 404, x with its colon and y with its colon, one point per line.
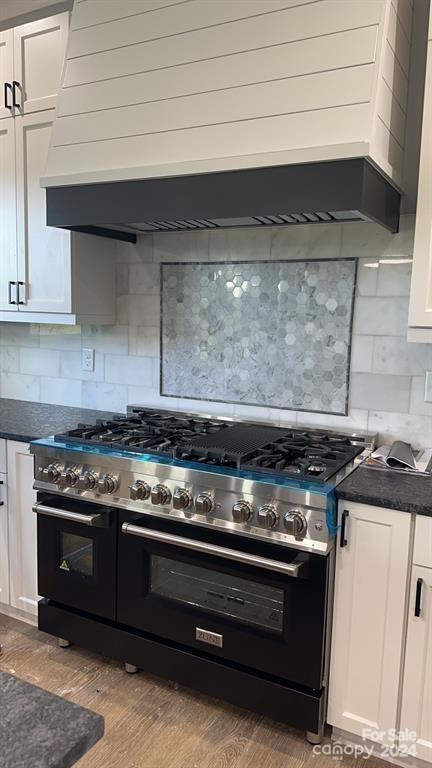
x: 301, y: 454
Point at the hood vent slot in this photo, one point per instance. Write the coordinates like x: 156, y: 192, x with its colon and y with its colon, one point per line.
x: 252, y: 221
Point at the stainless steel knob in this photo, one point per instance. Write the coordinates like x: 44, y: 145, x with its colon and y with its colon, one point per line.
x: 68, y: 478
x: 51, y: 473
x: 242, y: 511
x: 267, y: 516
x: 107, y: 484
x: 182, y: 498
x: 139, y: 490
x: 204, y: 503
x: 160, y: 494
x: 87, y: 481
x: 295, y: 522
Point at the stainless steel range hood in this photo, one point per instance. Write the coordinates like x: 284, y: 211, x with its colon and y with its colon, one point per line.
x: 197, y: 114
x: 345, y: 190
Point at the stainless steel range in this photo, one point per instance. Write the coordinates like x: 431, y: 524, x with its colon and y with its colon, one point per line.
x: 196, y: 548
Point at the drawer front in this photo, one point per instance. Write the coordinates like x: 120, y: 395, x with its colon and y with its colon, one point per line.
x: 3, y: 465
x: 423, y: 541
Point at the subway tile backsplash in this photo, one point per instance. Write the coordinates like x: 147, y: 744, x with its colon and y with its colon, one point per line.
x: 43, y: 363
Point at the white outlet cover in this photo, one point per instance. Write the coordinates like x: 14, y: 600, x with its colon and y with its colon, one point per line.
x: 87, y: 359
x: 428, y: 387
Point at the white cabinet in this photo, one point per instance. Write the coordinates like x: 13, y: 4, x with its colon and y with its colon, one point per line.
x: 420, y: 311
x: 368, y: 619
x: 416, y: 714
x: 39, y: 52
x: 47, y: 274
x: 31, y: 65
x: 8, y: 258
x: 6, y: 70
x: 22, y: 528
x: 416, y: 711
x: 4, y: 543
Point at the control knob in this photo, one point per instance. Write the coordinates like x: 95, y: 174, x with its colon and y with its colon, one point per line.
x: 182, y: 499
x: 267, y: 516
x: 160, y: 494
x: 51, y: 473
x: 139, y: 490
x: 107, y: 484
x: 295, y: 522
x: 204, y: 503
x: 242, y: 511
x: 87, y: 481
x: 68, y: 478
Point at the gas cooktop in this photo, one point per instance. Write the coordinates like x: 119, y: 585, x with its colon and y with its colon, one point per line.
x: 303, y: 454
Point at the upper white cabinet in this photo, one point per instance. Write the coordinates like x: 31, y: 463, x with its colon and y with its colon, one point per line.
x: 6, y: 71
x: 8, y: 257
x: 31, y: 65
x: 420, y: 312
x: 236, y: 84
x: 47, y: 275
x: 368, y: 620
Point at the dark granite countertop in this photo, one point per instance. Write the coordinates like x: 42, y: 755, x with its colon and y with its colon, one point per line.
x: 21, y: 420
x: 41, y: 730
x: 384, y: 488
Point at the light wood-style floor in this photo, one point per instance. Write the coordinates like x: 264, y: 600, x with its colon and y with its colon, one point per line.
x: 152, y: 723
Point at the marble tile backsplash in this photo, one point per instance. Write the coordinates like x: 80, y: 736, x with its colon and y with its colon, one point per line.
x: 43, y: 363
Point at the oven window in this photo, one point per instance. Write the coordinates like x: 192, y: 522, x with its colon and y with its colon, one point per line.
x: 252, y: 603
x: 76, y: 554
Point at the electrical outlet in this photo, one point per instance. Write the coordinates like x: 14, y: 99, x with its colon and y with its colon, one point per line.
x: 428, y: 387
x: 87, y: 359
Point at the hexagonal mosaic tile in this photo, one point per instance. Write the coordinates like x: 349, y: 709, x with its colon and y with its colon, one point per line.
x: 268, y: 333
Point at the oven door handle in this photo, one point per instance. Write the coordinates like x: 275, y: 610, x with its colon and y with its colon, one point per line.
x: 289, y: 569
x: 95, y: 520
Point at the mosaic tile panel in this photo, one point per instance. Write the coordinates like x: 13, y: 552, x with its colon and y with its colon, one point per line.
x: 274, y: 333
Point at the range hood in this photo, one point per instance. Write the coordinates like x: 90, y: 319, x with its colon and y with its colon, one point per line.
x: 179, y: 116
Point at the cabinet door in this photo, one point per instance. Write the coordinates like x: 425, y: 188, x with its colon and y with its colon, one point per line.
x: 44, y: 259
x: 8, y: 252
x: 420, y: 310
x: 368, y: 620
x: 416, y: 715
x: 22, y: 528
x: 4, y: 542
x: 39, y: 51
x: 6, y: 71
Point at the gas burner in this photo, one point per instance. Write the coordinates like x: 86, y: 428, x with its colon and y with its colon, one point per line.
x: 298, y: 453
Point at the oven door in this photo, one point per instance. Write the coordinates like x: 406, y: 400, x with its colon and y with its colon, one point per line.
x: 77, y: 554
x: 255, y: 604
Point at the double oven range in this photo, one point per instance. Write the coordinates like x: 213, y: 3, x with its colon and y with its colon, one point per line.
x: 197, y: 549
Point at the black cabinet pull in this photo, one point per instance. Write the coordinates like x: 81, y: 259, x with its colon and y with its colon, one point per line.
x: 7, y: 87
x: 343, y: 540
x: 15, y: 86
x: 18, y: 301
x: 417, y: 609
x: 1, y: 502
x: 11, y: 283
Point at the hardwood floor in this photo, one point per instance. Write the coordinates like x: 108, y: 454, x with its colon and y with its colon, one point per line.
x: 152, y: 723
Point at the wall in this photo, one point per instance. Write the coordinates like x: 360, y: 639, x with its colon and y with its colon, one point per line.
x: 387, y: 374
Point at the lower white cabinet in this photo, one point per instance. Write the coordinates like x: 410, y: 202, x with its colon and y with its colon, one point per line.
x: 22, y: 528
x: 368, y: 620
x: 4, y: 543
x: 416, y: 714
